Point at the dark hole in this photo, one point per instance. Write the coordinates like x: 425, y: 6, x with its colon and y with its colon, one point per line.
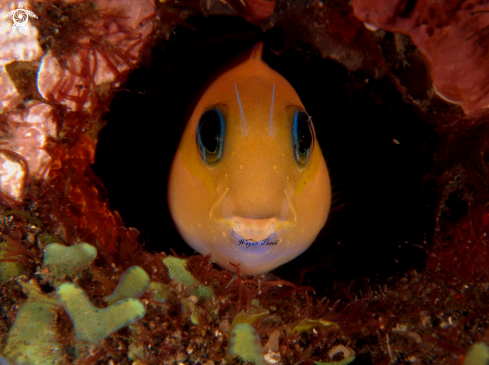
x: 377, y: 218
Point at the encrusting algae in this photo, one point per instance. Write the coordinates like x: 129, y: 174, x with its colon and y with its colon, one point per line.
x: 244, y: 342
x: 177, y: 271
x: 93, y: 324
x: 33, y: 339
x: 62, y: 260
x: 132, y: 284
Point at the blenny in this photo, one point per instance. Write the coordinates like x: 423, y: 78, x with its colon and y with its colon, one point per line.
x: 248, y: 183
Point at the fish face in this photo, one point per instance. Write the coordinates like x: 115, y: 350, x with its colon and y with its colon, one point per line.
x: 249, y: 184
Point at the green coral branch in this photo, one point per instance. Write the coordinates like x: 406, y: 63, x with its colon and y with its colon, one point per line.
x: 93, y: 324
x: 177, y: 268
x: 132, y: 284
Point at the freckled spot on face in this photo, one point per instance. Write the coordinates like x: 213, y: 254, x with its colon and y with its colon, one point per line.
x: 274, y: 167
x: 283, y: 154
x: 255, y: 101
x: 250, y: 109
x: 241, y: 166
x: 255, y: 80
x: 287, y: 178
x: 226, y: 174
x: 246, y: 137
x: 264, y: 109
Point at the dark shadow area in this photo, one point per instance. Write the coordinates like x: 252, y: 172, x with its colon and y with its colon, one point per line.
x: 373, y: 143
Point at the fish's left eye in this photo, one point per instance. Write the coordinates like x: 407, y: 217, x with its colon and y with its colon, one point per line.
x: 303, y: 134
x: 210, y: 136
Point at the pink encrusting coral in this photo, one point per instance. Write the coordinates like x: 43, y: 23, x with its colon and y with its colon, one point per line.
x: 26, y: 134
x: 29, y: 132
x: 441, y: 30
x: 102, y: 51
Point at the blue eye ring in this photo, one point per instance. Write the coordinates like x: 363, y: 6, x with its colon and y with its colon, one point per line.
x: 210, y: 135
x: 303, y: 136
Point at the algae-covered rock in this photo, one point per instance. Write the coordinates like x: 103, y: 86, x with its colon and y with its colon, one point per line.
x: 178, y: 272
x: 9, y: 270
x: 33, y: 338
x: 62, y: 260
x: 244, y: 342
x: 132, y: 284
x: 93, y: 324
x: 477, y: 355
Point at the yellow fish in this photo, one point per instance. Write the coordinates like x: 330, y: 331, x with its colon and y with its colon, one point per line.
x: 248, y: 183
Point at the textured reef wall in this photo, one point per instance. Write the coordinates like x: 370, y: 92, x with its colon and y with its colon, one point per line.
x: 76, y: 285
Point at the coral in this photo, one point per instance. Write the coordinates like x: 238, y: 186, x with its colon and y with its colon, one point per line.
x: 440, y: 30
x: 26, y: 136
x: 178, y: 271
x: 100, y: 48
x: 26, y: 132
x: 94, y: 45
x: 36, y: 319
x: 244, y: 342
x: 62, y: 260
x: 132, y: 284
x: 477, y: 355
x: 93, y: 324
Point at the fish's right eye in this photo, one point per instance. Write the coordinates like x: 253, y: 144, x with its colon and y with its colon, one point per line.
x: 210, y: 136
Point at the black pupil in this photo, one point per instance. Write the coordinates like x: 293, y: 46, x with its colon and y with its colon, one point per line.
x: 210, y: 130
x: 303, y: 132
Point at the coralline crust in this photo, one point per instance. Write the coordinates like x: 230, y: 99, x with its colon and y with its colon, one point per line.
x: 441, y: 30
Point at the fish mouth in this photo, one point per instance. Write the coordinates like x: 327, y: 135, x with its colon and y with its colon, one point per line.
x: 253, y: 231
